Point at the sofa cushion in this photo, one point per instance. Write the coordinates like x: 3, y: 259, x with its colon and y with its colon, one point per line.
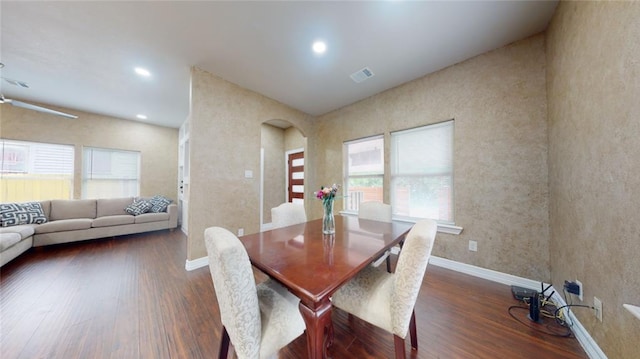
x: 72, y: 209
x: 138, y: 207
x: 159, y: 203
x: 46, y: 208
x: 23, y: 230
x: 152, y: 217
x: 64, y: 225
x: 107, y: 221
x: 8, y: 239
x: 13, y: 214
x: 112, y: 206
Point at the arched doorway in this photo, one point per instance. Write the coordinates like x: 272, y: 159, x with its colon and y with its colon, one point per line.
x: 282, y: 151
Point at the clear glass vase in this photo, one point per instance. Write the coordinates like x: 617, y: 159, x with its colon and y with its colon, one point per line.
x: 328, y: 221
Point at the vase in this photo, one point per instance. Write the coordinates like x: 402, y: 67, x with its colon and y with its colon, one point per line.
x: 328, y: 221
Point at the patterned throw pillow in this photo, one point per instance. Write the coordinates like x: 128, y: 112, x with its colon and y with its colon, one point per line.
x: 13, y: 214
x: 138, y: 207
x: 159, y: 203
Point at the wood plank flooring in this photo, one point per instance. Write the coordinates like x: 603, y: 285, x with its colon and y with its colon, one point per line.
x: 130, y: 297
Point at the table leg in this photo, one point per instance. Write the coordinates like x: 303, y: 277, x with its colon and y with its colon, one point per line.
x: 319, y: 329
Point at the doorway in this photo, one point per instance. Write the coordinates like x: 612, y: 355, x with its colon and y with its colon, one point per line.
x: 295, y: 176
x: 282, y: 164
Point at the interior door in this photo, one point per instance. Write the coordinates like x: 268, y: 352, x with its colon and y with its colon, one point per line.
x: 295, y: 177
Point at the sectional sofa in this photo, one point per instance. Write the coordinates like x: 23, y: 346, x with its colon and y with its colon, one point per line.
x: 63, y: 221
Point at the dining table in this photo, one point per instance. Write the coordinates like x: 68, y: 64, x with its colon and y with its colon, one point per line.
x: 313, y: 265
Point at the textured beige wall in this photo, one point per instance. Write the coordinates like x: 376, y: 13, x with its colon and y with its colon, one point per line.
x: 225, y: 141
x: 498, y: 101
x: 293, y: 139
x: 274, y: 174
x: 276, y: 141
x: 593, y: 52
x: 158, y: 145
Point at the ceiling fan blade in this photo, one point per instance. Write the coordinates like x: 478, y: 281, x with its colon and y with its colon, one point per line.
x: 38, y: 108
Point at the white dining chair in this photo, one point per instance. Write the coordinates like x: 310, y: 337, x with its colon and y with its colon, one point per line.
x: 287, y: 214
x: 258, y: 320
x: 387, y: 300
x: 377, y: 211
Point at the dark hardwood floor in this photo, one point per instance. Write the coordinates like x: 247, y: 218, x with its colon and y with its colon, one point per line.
x: 130, y: 297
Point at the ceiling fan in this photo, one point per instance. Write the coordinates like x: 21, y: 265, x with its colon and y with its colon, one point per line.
x: 29, y: 106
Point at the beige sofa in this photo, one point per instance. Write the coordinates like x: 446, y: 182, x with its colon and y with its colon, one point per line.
x: 79, y: 220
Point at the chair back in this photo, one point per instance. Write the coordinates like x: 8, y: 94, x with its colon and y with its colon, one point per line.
x: 235, y: 289
x: 287, y: 214
x: 410, y: 269
x: 376, y: 211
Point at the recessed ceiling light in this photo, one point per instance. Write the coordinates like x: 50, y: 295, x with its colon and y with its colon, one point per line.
x: 142, y: 71
x: 319, y: 47
x: 141, y: 116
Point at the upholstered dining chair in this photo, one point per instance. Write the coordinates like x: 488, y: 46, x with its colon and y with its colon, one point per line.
x: 258, y: 320
x: 377, y: 211
x: 387, y: 300
x: 287, y: 214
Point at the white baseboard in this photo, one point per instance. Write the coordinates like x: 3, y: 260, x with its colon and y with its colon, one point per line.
x: 584, y: 338
x: 484, y: 273
x: 196, y: 263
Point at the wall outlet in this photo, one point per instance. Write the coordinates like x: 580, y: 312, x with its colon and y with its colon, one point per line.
x: 581, y: 289
x: 473, y: 246
x: 240, y: 232
x: 597, y: 306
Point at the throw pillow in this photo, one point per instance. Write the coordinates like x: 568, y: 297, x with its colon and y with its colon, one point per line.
x: 13, y: 214
x: 159, y: 203
x: 138, y: 207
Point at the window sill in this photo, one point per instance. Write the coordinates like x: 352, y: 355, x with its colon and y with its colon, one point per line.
x: 442, y: 228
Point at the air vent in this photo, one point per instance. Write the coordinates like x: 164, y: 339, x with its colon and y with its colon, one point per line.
x: 17, y: 83
x: 362, y: 75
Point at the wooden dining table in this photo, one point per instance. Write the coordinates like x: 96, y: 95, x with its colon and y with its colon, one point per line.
x: 313, y: 265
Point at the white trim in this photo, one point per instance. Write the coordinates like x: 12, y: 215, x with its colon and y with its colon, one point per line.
x: 635, y: 310
x: 584, y: 338
x: 196, y: 263
x: 261, y: 185
x: 484, y: 273
x: 442, y: 228
x: 266, y: 226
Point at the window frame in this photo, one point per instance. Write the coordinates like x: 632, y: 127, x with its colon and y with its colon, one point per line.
x: 394, y: 175
x: 346, y: 175
x: 85, y: 181
x: 37, y: 166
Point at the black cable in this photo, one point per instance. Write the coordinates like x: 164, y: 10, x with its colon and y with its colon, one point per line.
x: 562, y: 335
x: 564, y: 323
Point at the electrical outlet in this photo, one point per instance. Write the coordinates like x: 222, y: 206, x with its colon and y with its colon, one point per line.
x: 597, y: 305
x: 473, y: 246
x: 240, y: 232
x: 580, y: 289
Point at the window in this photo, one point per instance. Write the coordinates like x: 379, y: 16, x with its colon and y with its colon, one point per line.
x: 364, y: 171
x: 110, y: 173
x: 422, y: 172
x: 32, y: 171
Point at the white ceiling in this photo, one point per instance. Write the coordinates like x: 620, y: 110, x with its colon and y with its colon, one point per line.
x: 81, y: 55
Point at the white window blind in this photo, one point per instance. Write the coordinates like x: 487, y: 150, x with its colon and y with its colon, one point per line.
x: 108, y: 173
x: 35, y: 171
x: 364, y: 171
x: 422, y: 172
